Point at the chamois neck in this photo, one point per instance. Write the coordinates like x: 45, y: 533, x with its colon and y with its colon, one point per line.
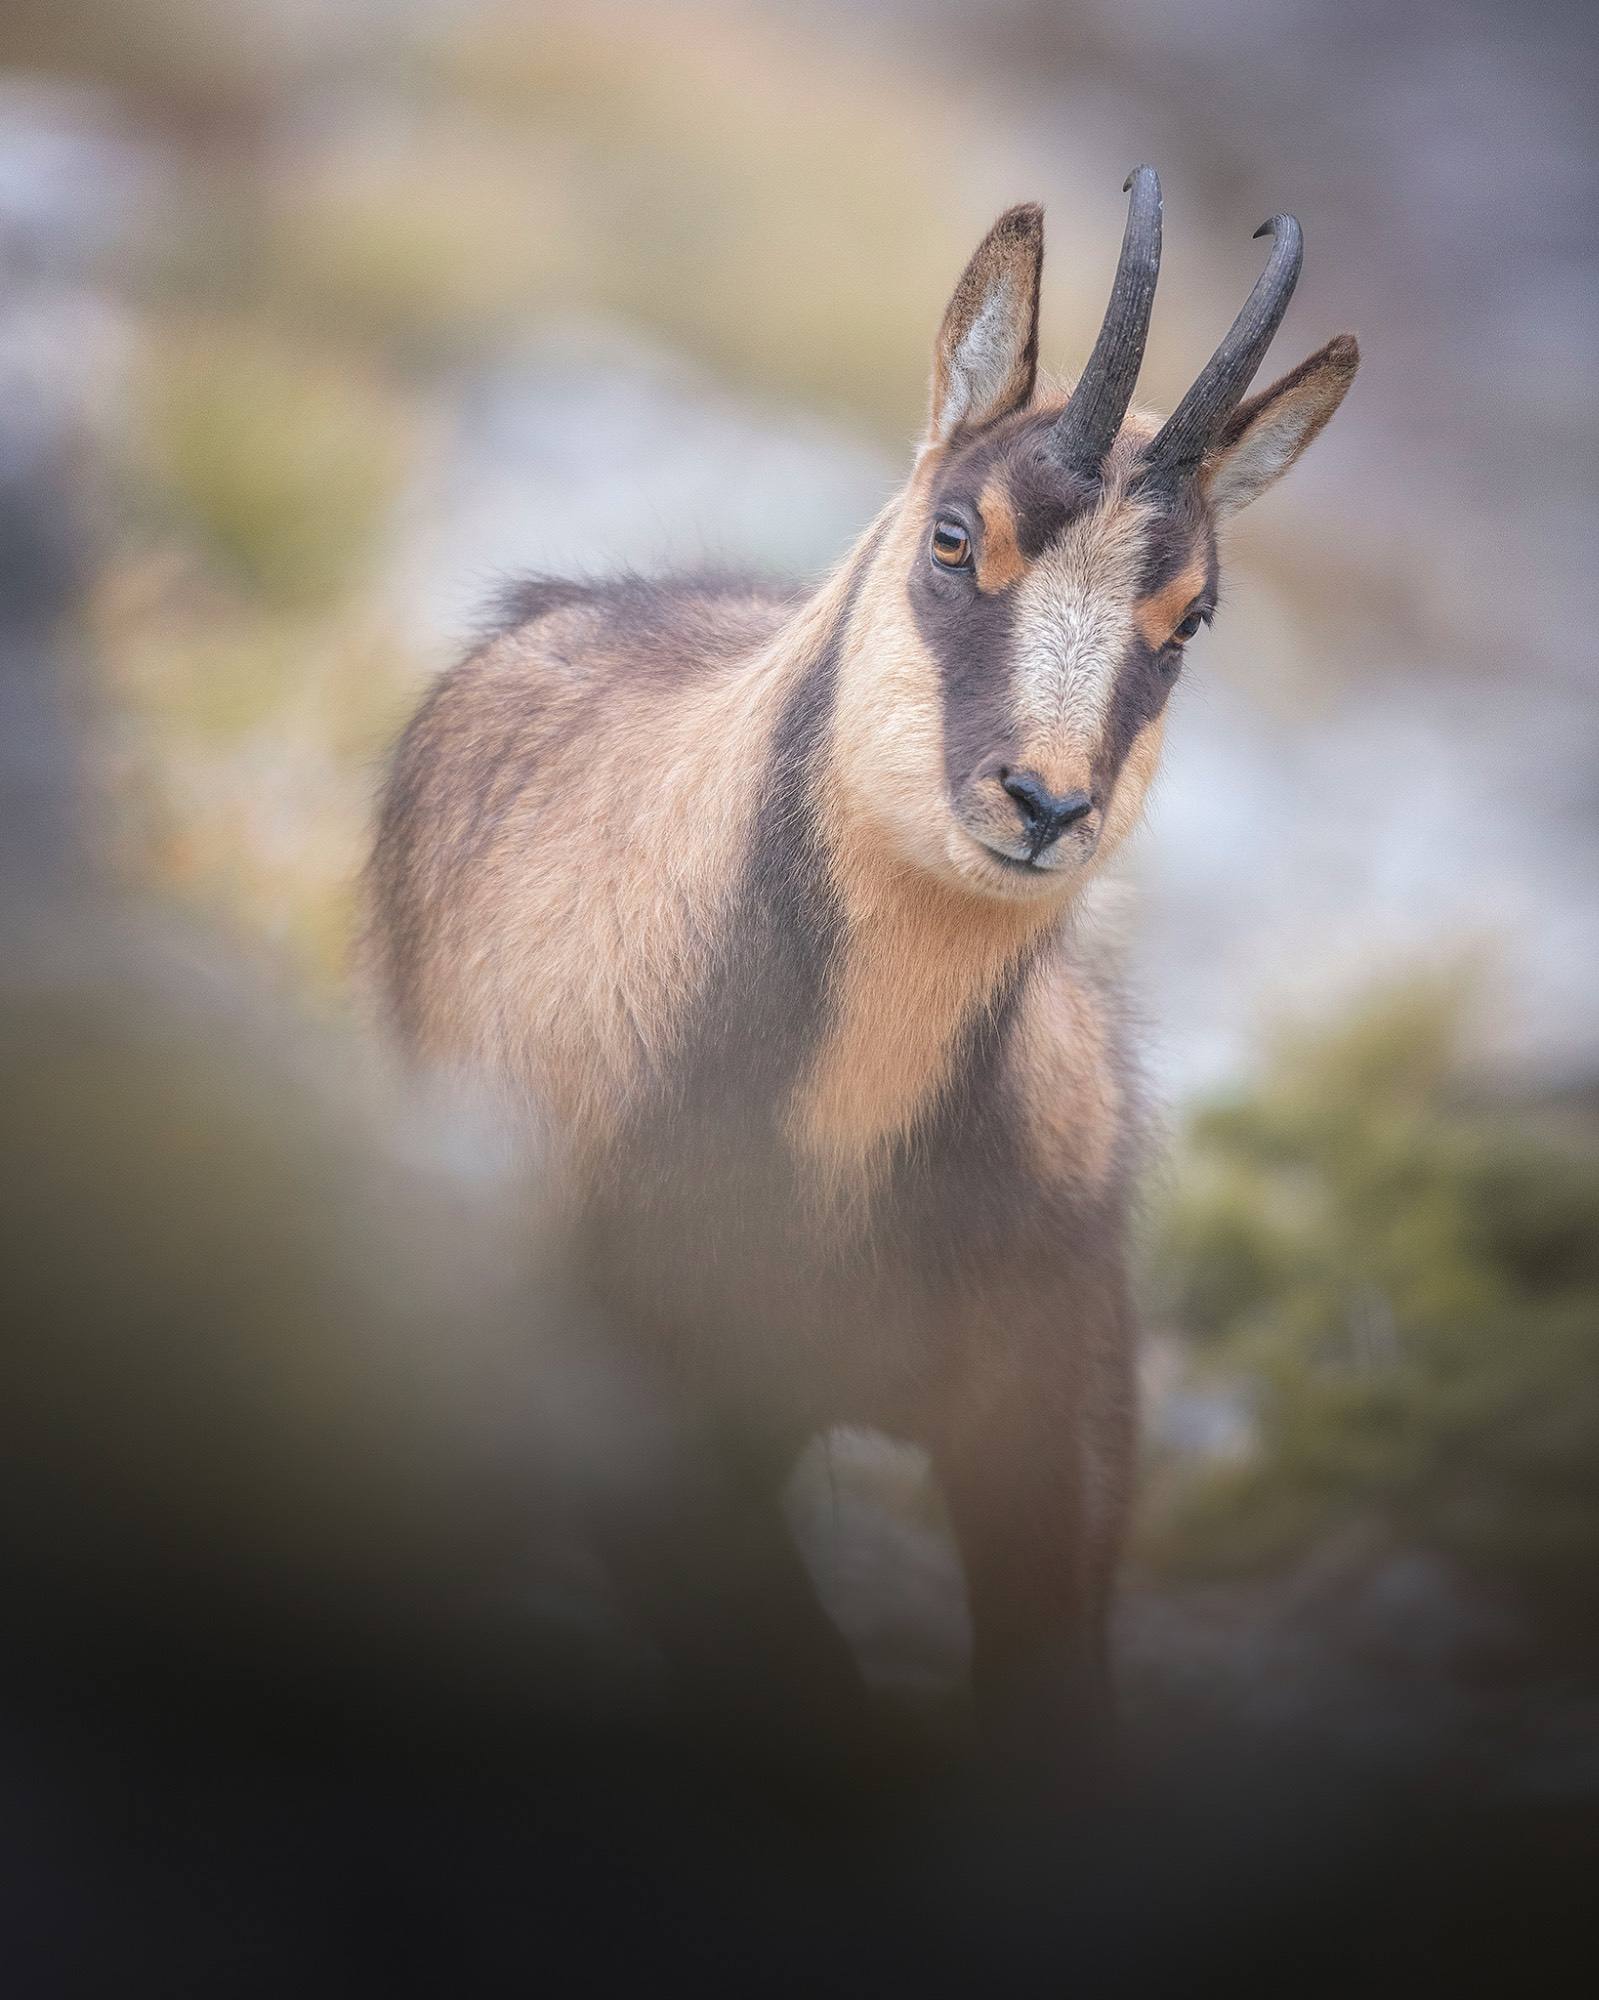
x: 917, y: 971
x: 820, y: 623
x: 916, y: 963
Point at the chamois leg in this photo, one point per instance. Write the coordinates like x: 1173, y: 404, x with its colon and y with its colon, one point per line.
x: 1039, y: 1557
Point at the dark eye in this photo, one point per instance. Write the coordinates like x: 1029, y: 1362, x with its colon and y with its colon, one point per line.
x: 1188, y: 628
x: 952, y: 546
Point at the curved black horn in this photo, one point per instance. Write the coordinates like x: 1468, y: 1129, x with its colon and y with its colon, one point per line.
x: 1088, y: 425
x: 1197, y: 420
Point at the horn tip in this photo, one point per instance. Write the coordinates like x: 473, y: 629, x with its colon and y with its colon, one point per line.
x: 1133, y: 176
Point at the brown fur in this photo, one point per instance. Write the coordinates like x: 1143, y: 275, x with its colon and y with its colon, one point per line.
x: 1158, y: 615
x: 1002, y: 562
x: 722, y: 891
x: 980, y: 372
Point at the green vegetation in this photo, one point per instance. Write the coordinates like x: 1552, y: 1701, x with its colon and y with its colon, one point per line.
x: 248, y: 674
x: 695, y: 168
x: 282, y: 462
x: 1407, y: 1279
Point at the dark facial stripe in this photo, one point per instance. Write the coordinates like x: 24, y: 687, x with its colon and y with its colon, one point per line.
x: 970, y: 632
x: 1146, y: 676
x: 1143, y: 683
x: 970, y: 635
x: 1175, y: 536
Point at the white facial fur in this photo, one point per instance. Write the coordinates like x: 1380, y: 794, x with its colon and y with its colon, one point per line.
x: 1073, y: 627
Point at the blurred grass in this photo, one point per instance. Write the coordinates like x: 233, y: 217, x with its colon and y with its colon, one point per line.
x: 706, y: 172
x: 429, y: 245
x: 281, y: 462
x: 729, y: 184
x: 239, y: 745
x: 248, y: 675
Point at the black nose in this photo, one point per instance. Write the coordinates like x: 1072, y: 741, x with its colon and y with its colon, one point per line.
x: 1045, y: 814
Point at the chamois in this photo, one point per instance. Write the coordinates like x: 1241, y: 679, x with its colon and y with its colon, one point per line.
x: 760, y: 905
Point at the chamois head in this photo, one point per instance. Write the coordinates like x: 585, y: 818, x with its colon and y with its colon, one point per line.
x: 1029, y: 603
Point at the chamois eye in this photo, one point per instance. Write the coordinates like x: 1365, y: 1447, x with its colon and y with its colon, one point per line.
x: 1188, y: 628
x: 952, y: 546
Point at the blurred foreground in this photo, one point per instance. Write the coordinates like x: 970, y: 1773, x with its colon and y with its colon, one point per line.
x: 311, y: 1673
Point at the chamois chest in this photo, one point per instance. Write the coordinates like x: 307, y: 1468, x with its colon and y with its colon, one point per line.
x: 841, y: 1183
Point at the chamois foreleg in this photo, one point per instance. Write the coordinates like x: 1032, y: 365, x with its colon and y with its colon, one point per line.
x: 1034, y: 1472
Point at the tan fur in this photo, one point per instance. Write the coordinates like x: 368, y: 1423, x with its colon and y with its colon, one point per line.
x: 885, y: 779
x: 920, y: 955
x: 1137, y: 774
x: 1066, y: 1064
x: 1000, y: 562
x: 1159, y: 616
x: 537, y: 973
x: 923, y: 954
x: 1075, y: 617
x: 919, y: 961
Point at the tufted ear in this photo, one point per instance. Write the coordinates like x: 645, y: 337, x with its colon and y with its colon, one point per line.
x: 987, y: 353
x: 1267, y: 433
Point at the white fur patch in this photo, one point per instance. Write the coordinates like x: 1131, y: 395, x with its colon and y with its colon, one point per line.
x: 1261, y: 457
x: 981, y: 365
x: 1074, y: 624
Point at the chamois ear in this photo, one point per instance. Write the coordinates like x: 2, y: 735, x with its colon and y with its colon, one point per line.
x: 987, y: 353
x: 1267, y: 433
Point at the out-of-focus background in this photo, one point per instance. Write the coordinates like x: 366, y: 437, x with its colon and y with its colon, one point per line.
x: 317, y: 322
